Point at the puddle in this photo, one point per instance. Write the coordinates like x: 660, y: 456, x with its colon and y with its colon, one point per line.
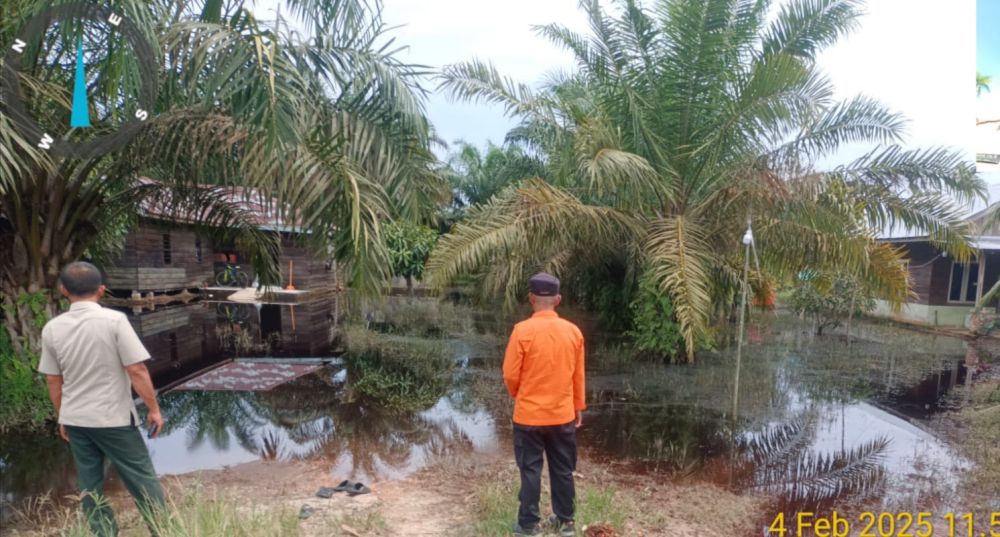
x: 306, y: 419
x: 808, y: 408
x: 820, y: 423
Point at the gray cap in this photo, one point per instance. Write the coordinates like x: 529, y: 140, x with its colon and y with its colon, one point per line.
x: 543, y: 284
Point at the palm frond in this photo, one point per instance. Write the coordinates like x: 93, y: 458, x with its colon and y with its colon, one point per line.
x: 679, y: 257
x: 476, y: 81
x: 523, y: 222
x: 806, y: 27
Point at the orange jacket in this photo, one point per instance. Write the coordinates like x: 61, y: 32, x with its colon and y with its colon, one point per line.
x: 543, y: 370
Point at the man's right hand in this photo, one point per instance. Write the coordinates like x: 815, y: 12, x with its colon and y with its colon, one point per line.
x: 579, y: 419
x: 155, y: 418
x: 62, y: 432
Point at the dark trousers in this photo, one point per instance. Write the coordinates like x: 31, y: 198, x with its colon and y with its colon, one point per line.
x: 558, y: 443
x: 124, y: 447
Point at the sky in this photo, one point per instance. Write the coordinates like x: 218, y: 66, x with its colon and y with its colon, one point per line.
x: 917, y: 56
x: 988, y: 37
x: 988, y: 57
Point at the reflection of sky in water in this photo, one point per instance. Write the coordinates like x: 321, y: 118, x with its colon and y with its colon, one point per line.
x: 787, y: 377
x: 913, y: 453
x: 172, y: 454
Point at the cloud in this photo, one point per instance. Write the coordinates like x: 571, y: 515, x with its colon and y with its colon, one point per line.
x: 917, y: 56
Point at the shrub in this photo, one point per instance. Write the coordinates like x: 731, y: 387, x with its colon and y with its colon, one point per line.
x: 829, y: 299
x: 23, y: 397
x: 655, y: 329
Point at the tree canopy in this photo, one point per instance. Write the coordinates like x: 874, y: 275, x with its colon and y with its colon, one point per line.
x: 683, y: 122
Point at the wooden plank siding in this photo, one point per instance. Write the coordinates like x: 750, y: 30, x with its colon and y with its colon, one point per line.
x: 146, y: 279
x: 308, y: 270
x: 930, y: 273
x: 924, y: 266
x: 148, y: 264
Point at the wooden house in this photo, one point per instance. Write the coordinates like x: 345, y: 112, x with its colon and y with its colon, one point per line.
x: 946, y: 290
x: 165, y: 253
x: 161, y: 256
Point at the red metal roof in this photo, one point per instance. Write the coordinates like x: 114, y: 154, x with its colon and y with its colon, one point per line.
x: 248, y: 377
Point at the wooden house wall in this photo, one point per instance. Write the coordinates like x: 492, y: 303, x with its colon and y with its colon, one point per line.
x: 308, y: 270
x: 144, y: 266
x: 931, y: 273
x: 926, y: 268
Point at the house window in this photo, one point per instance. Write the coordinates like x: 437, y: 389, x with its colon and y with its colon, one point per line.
x: 167, y: 254
x: 197, y: 248
x: 964, y: 282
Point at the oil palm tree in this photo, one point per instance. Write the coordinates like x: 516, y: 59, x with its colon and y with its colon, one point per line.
x: 476, y: 177
x: 324, y: 125
x: 982, y: 83
x: 683, y: 121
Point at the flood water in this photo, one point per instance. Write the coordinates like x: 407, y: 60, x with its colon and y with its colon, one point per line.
x: 819, y: 421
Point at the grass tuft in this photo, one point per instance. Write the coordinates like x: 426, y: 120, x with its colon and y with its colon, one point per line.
x: 495, y: 507
x: 195, y: 513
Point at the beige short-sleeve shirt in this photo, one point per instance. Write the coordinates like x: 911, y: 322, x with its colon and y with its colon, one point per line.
x: 90, y: 346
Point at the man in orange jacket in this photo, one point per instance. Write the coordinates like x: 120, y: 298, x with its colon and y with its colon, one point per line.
x: 543, y: 370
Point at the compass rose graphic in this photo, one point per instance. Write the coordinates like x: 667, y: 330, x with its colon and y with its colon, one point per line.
x: 109, y: 106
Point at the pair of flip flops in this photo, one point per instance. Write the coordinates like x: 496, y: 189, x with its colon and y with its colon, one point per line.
x: 350, y: 487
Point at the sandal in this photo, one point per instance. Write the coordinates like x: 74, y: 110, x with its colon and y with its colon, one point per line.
x: 358, y: 488
x: 344, y: 486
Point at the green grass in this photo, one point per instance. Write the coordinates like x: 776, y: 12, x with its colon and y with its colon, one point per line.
x: 196, y: 513
x: 200, y: 513
x: 495, y: 507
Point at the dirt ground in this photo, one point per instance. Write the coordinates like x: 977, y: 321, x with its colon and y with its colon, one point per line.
x: 441, y: 500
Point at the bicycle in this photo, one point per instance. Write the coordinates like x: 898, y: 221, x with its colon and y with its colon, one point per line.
x: 232, y: 276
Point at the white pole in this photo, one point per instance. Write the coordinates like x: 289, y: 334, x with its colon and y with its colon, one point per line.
x: 748, y: 241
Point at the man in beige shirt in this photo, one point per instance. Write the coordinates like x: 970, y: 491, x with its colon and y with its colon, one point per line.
x: 92, y: 358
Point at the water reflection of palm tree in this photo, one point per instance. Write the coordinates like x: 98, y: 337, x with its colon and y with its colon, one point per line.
x: 215, y: 416
x: 308, y: 418
x: 779, y: 462
x: 372, y: 438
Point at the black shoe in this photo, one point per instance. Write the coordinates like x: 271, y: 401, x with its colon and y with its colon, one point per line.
x: 518, y: 530
x: 565, y: 528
